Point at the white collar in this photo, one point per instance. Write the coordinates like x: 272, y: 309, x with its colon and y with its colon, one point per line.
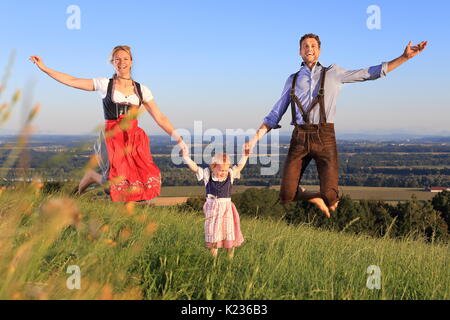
x: 317, y: 64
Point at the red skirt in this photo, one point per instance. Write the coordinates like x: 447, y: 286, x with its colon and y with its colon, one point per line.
x: 133, y: 176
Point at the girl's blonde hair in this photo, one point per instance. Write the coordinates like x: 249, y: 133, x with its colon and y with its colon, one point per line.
x: 220, y: 158
x: 127, y: 49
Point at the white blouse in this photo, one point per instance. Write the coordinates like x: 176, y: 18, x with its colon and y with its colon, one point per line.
x: 101, y: 85
x: 203, y: 174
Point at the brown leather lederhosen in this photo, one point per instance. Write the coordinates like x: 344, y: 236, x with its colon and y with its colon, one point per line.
x: 311, y: 141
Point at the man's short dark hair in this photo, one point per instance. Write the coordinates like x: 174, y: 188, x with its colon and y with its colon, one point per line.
x: 310, y: 35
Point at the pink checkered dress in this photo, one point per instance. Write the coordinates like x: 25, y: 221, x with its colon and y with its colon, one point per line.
x: 222, y: 223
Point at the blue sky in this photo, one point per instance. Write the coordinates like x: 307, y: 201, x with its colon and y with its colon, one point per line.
x: 225, y: 62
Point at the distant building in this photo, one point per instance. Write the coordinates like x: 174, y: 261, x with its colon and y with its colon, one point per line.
x: 436, y: 189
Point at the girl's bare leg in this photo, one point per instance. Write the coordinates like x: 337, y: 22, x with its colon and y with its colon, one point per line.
x: 214, y: 252
x: 90, y: 177
x: 230, y: 253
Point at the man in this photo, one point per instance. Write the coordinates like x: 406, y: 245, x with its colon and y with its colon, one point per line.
x: 312, y: 94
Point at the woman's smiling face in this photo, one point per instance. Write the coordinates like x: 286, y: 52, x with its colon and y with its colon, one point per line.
x: 122, y: 63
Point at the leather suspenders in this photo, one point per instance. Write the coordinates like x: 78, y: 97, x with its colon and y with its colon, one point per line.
x: 319, y: 99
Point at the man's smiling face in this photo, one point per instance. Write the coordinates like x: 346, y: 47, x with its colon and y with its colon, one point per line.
x: 310, y: 51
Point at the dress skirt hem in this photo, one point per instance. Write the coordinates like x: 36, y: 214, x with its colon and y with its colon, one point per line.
x: 222, y: 224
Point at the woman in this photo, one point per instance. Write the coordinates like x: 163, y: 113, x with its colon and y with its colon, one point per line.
x: 123, y: 150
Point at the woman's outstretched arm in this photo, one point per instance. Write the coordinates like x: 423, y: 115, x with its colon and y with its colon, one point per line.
x: 163, y: 122
x: 68, y: 80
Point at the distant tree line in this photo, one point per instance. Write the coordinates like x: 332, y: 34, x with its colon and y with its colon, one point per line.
x: 361, y: 164
x: 382, y: 147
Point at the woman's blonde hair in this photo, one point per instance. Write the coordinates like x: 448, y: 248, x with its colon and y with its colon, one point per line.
x: 220, y: 158
x: 127, y: 49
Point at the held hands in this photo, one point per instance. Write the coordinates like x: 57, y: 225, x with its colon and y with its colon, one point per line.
x: 248, y: 148
x: 184, y: 149
x: 186, y: 157
x: 412, y: 51
x: 38, y: 62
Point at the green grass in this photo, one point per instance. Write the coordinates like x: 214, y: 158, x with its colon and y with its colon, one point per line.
x: 158, y: 253
x: 285, y: 262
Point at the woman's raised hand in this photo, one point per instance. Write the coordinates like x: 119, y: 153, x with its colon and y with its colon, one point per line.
x: 38, y: 62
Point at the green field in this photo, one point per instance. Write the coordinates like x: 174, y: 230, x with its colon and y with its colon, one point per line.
x: 146, y: 252
x: 356, y: 193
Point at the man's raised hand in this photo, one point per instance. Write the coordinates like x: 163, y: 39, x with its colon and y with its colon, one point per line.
x: 412, y: 51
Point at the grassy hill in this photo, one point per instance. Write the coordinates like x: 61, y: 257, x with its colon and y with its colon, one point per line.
x: 138, y: 251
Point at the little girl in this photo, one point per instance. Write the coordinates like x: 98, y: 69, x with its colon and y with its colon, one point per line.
x: 222, y: 226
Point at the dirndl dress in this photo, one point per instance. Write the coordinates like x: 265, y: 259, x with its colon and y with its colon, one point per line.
x: 222, y: 222
x: 123, y: 151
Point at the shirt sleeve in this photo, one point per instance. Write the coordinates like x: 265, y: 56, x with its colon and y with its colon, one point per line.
x: 202, y: 174
x: 146, y: 94
x: 101, y: 86
x: 235, y: 173
x: 359, y: 75
x: 279, y: 109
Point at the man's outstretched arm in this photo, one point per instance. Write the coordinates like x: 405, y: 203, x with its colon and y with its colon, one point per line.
x: 378, y: 71
x: 410, y: 52
x: 273, y: 118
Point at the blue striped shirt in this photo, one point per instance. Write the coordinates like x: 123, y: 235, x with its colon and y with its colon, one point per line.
x: 308, y: 85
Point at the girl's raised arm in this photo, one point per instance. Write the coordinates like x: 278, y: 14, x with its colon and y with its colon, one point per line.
x: 83, y: 84
x: 243, y: 161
